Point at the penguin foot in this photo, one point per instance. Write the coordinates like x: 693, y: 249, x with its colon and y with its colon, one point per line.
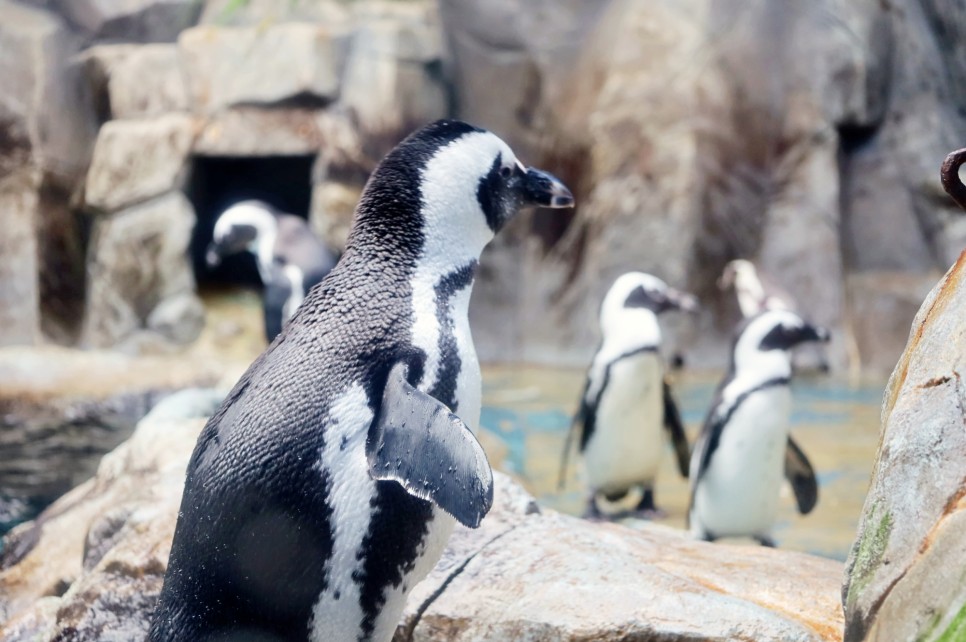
x: 649, y: 514
x: 765, y: 540
x: 592, y: 512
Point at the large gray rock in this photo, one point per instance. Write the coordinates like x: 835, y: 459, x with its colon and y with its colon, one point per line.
x: 101, y: 552
x: 254, y: 131
x: 130, y: 20
x: 137, y: 81
x: 137, y: 262
x: 61, y: 410
x: 135, y: 160
x: 45, y: 110
x: 904, y: 577
x: 19, y: 281
x: 233, y: 66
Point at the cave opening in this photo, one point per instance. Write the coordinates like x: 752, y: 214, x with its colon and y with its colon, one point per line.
x: 217, y: 182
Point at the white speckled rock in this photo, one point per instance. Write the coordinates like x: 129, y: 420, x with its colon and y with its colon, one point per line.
x: 905, y: 574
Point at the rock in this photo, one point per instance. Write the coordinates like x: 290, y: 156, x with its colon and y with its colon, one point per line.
x: 234, y: 66
x: 333, y: 207
x: 525, y: 574
x: 19, y: 282
x: 102, y: 548
x: 252, y: 131
x: 135, y: 160
x: 61, y: 410
x: 904, y: 576
x: 392, y: 83
x: 131, y: 20
x: 45, y: 111
x: 883, y: 305
x: 266, y: 12
x: 138, y: 261
x: 134, y: 81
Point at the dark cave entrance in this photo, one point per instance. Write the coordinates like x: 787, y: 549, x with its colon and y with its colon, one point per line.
x: 216, y: 182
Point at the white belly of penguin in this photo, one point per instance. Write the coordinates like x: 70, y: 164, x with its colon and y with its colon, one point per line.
x: 352, y: 489
x: 738, y: 493
x: 626, y: 447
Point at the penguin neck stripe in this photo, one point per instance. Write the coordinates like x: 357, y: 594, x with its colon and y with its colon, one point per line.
x: 591, y: 409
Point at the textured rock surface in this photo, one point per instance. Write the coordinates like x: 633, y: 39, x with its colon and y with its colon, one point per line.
x: 91, y: 566
x: 135, y: 160
x: 93, y: 563
x: 132, y: 81
x: 905, y: 574
x: 136, y: 262
x: 61, y: 410
x: 19, y: 282
x: 130, y: 20
x: 240, y: 65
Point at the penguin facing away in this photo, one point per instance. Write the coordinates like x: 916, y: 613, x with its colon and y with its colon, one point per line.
x: 756, y: 293
x: 290, y: 258
x: 327, y: 484
x: 626, y: 399
x: 745, y: 447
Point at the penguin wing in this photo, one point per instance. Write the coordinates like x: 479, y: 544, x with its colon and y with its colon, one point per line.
x: 675, y: 429
x: 416, y: 441
x: 581, y: 426
x: 799, y: 473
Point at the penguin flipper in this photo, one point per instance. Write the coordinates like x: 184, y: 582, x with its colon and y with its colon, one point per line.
x: 415, y: 440
x: 799, y: 473
x: 675, y: 429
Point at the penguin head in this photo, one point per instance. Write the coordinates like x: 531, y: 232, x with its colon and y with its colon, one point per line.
x: 240, y: 228
x: 769, y: 336
x: 445, y: 191
x: 737, y: 273
x: 633, y: 302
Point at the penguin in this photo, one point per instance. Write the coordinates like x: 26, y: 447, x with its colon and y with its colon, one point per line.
x: 626, y: 398
x: 328, y: 483
x: 756, y: 293
x: 745, y: 447
x: 290, y: 258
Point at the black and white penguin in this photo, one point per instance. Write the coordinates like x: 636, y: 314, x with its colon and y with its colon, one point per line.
x: 329, y: 481
x: 290, y: 257
x: 745, y: 447
x: 626, y: 399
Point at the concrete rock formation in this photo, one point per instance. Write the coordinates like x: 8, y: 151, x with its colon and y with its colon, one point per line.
x: 904, y: 576
x: 93, y: 564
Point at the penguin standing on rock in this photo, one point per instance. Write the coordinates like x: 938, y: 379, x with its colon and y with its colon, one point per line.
x: 626, y: 399
x: 290, y: 258
x: 329, y: 481
x: 745, y: 447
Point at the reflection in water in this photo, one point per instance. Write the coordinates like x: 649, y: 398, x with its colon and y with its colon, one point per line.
x: 526, y: 415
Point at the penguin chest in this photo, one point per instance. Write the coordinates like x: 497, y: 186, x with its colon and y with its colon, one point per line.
x: 626, y: 446
x: 384, y: 541
x: 738, y: 493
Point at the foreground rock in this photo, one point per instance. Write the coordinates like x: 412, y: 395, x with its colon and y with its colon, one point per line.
x: 905, y: 572
x: 62, y: 410
x: 92, y: 566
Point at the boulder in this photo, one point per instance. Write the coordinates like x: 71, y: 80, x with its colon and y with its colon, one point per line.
x: 93, y: 564
x: 254, y: 131
x: 392, y: 83
x: 233, y: 66
x: 19, y: 283
x: 135, y: 160
x: 132, y: 81
x: 137, y: 261
x: 100, y: 551
x: 61, y: 410
x: 904, y: 576
x: 131, y: 20
x: 46, y: 116
x: 266, y: 12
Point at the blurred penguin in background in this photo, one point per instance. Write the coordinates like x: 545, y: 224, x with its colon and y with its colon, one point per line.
x: 291, y: 259
x: 745, y: 448
x: 626, y: 400
x: 756, y: 293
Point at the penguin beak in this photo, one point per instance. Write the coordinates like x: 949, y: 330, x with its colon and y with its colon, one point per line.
x: 682, y: 301
x: 545, y: 190
x: 815, y: 333
x: 212, y: 256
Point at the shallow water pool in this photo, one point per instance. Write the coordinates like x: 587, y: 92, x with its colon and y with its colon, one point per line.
x: 526, y: 415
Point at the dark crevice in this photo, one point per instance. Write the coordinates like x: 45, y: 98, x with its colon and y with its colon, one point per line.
x: 216, y: 182
x: 411, y: 629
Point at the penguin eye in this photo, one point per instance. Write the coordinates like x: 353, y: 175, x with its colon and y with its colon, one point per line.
x: 505, y: 172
